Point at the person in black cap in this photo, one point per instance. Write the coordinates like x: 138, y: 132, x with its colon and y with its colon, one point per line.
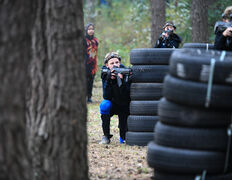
x: 223, y: 39
x: 116, y: 98
x: 168, y: 38
x: 91, y: 47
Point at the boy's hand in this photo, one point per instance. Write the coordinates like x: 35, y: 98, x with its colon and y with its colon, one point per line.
x: 164, y: 35
x: 228, y: 32
x: 113, y: 75
x: 120, y: 75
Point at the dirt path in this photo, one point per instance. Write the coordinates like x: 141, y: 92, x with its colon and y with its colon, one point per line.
x: 113, y: 161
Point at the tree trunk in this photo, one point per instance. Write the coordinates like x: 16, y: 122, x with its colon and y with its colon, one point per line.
x: 57, y: 110
x: 15, y: 43
x: 199, y: 16
x: 90, y: 11
x: 157, y: 19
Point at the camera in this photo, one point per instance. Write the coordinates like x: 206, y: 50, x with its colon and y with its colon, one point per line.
x: 169, y: 32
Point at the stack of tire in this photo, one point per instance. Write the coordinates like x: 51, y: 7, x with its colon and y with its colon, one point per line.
x: 205, y: 46
x: 193, y: 135
x: 149, y: 67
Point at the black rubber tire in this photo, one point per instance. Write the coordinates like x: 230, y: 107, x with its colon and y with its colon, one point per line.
x: 144, y: 108
x: 179, y: 115
x: 214, y: 139
x: 142, y: 123
x: 146, y: 91
x: 139, y: 138
x: 168, y: 176
x: 149, y: 73
x: 150, y: 56
x: 198, y: 45
x: 193, y: 64
x: 194, y: 93
x: 175, y: 160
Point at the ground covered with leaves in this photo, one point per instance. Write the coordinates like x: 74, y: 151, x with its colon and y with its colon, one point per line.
x: 113, y: 161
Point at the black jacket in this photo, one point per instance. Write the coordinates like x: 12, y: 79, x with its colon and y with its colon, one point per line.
x: 173, y: 41
x: 222, y: 42
x: 114, y: 93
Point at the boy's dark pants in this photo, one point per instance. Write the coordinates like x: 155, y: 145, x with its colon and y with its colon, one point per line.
x: 122, y: 112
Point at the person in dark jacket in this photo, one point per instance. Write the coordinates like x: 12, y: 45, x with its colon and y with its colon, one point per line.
x: 116, y: 98
x: 168, y: 38
x: 223, y: 39
x: 91, y: 47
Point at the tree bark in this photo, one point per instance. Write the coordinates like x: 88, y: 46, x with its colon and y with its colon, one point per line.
x: 15, y: 43
x: 57, y: 110
x: 157, y: 19
x: 199, y: 17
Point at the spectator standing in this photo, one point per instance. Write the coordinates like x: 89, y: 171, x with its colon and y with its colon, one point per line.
x: 91, y: 47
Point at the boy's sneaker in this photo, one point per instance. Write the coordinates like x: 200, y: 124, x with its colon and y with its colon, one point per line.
x: 105, y: 140
x: 122, y: 141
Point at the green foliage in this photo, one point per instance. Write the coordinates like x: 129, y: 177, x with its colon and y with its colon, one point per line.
x: 123, y: 26
x: 179, y: 13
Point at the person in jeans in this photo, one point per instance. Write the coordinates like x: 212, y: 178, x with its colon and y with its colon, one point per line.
x: 116, y: 98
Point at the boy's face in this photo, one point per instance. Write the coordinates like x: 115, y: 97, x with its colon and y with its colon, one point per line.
x: 113, y: 62
x: 90, y: 30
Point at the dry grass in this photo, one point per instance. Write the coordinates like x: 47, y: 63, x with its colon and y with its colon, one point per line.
x: 113, y: 161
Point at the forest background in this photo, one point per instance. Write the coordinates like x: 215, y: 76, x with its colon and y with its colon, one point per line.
x: 122, y: 25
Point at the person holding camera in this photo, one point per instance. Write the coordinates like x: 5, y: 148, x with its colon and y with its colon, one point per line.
x: 223, y: 31
x: 168, y: 38
x: 116, y: 97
